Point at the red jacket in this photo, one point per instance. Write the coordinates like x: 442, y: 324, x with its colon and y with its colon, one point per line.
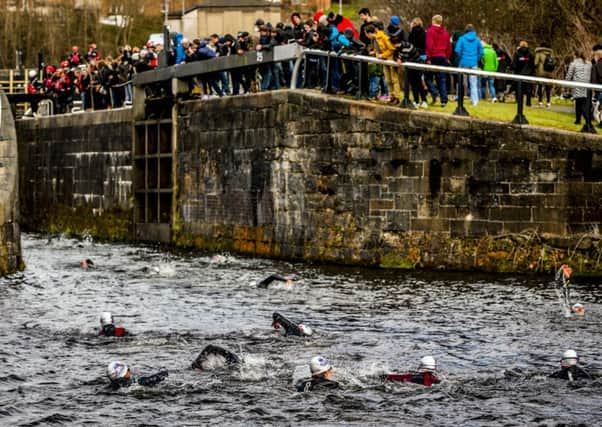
x: 438, y: 42
x: 346, y: 23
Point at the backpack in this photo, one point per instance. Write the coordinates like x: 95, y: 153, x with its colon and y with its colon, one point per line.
x: 549, y: 64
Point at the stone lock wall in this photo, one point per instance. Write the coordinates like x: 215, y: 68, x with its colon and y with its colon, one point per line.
x: 299, y: 175
x: 304, y: 176
x: 10, y: 234
x: 76, y: 173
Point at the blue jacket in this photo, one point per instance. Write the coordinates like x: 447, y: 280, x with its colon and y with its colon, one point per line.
x: 180, y: 53
x: 204, y: 52
x: 469, y: 50
x: 337, y: 40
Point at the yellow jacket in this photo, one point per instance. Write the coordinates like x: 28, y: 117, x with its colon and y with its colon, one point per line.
x: 384, y: 45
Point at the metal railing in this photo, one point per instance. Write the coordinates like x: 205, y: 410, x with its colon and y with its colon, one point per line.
x: 14, y: 81
x: 460, y: 110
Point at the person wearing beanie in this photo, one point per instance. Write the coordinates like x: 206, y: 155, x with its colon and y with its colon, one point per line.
x: 317, y: 16
x: 394, y: 31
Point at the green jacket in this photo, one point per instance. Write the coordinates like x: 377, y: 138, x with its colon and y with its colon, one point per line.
x: 490, y: 61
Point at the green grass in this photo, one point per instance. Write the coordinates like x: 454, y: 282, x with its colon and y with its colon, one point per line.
x: 506, y: 111
x: 559, y: 116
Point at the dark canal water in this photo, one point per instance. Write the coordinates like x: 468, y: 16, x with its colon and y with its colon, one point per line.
x: 495, y: 337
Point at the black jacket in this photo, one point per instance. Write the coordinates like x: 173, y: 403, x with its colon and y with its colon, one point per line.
x: 310, y: 384
x: 418, y: 38
x: 406, y: 52
x: 597, y: 72
x: 523, y: 62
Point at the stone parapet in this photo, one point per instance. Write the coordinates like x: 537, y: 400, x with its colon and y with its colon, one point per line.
x: 10, y: 235
x: 306, y: 176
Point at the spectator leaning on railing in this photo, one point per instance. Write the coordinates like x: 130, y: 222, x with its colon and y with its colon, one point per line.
x: 106, y: 82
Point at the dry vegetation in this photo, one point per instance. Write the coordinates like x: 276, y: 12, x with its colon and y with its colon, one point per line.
x: 53, y: 30
x: 565, y: 24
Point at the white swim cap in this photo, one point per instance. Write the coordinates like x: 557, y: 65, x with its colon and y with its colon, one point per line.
x: 117, y: 370
x: 319, y: 365
x: 305, y: 330
x: 569, y: 358
x: 427, y: 364
x: 106, y: 318
x: 578, y: 309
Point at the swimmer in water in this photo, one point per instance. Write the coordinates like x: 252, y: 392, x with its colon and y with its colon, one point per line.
x: 213, y: 357
x: 426, y: 374
x: 108, y: 328
x: 285, y: 327
x: 321, y: 374
x: 86, y: 263
x: 275, y: 278
x: 578, y: 309
x: 569, y: 368
x: 120, y: 375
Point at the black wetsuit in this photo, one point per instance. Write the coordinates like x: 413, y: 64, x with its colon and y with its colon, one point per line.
x: 309, y: 384
x: 147, y: 381
x: 214, y: 350
x: 273, y: 278
x: 423, y: 378
x: 571, y: 373
x: 289, y: 327
x: 112, y: 331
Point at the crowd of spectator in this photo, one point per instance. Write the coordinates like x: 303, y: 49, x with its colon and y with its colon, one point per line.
x: 103, y: 83
x: 98, y: 83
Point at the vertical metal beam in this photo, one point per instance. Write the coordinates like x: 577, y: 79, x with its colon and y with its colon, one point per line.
x: 460, y: 110
x: 520, y: 118
x: 588, y: 127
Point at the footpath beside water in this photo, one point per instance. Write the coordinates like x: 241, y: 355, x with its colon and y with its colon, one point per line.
x: 301, y: 176
x: 10, y: 235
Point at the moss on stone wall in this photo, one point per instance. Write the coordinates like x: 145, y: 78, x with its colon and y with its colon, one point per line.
x: 517, y: 253
x: 111, y: 225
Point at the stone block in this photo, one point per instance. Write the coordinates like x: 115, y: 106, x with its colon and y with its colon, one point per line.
x: 449, y: 212
x: 523, y: 187
x: 542, y: 214
x: 518, y: 170
x: 398, y: 221
x: 485, y: 170
x: 430, y: 225
x: 381, y: 204
x: 510, y: 214
x: 475, y: 228
x: 592, y: 215
x: 406, y: 202
x: 546, y: 188
x: 453, y: 185
x: 414, y: 169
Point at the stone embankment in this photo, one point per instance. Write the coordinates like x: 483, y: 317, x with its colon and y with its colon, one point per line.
x: 10, y: 235
x: 299, y: 175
